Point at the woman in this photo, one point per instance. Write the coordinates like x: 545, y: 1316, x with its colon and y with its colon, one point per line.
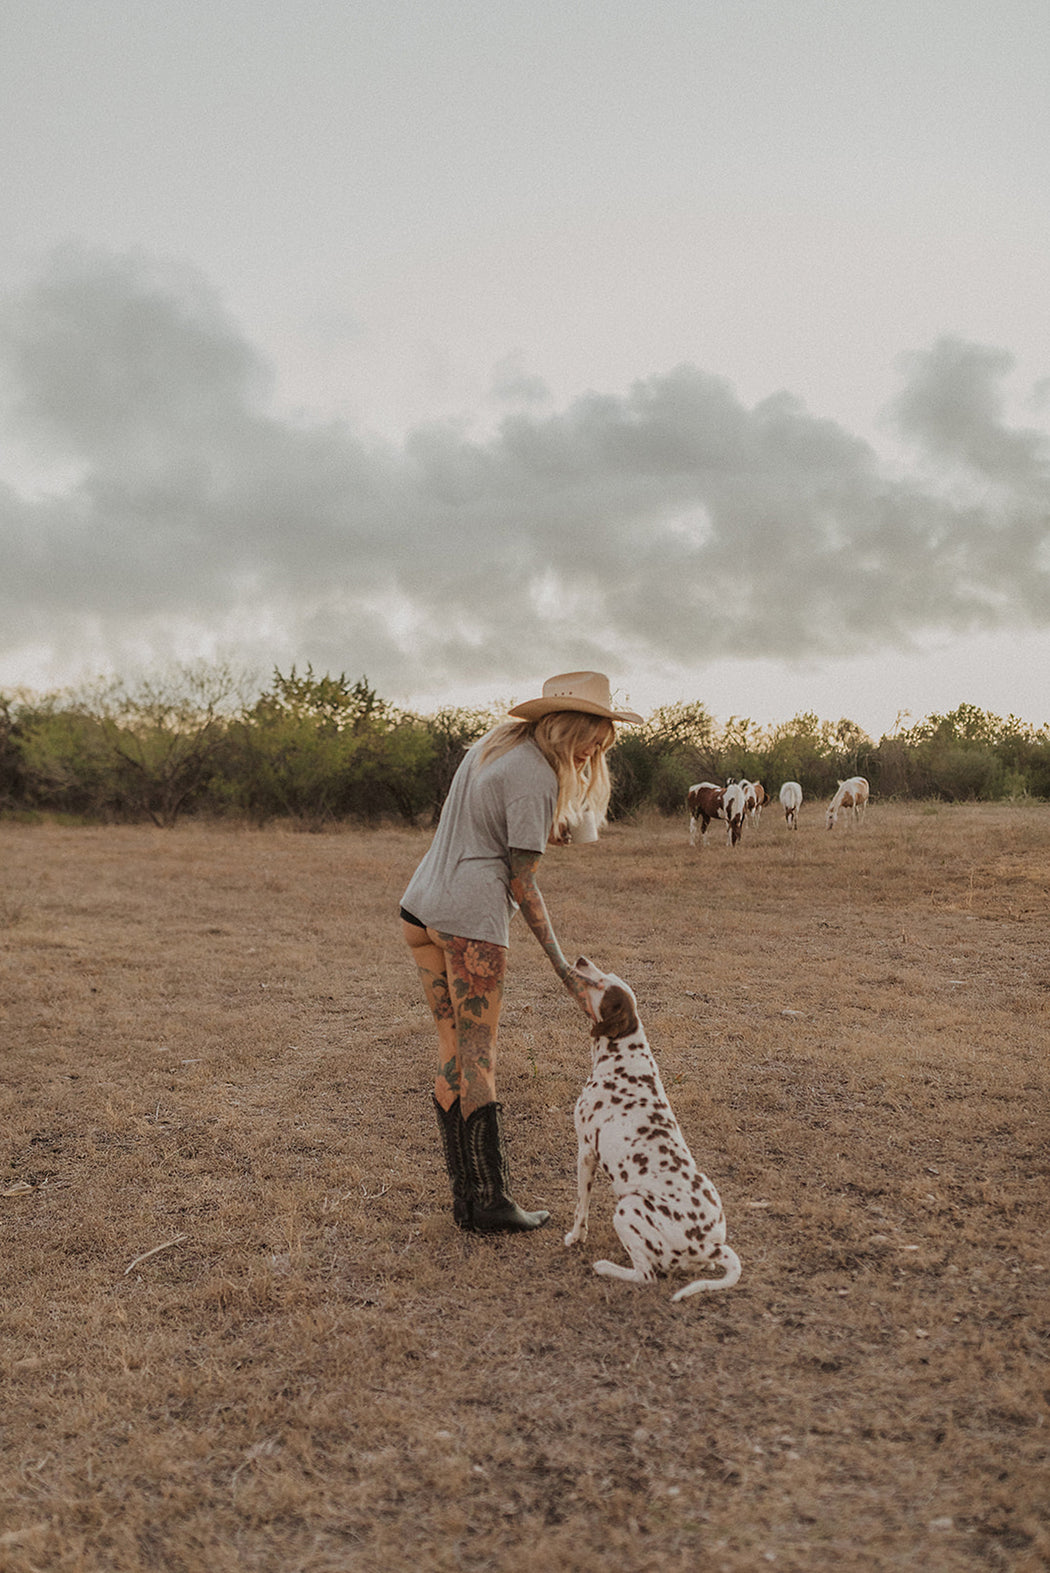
x: 524, y: 784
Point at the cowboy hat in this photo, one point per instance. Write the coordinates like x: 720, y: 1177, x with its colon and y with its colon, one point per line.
x: 586, y: 691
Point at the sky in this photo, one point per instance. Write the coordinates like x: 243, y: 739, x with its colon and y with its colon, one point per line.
x: 454, y: 344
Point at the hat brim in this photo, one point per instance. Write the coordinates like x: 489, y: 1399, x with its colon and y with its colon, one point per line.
x: 535, y: 709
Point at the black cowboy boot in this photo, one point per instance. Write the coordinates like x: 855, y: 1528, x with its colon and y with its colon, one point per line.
x: 450, y: 1124
x: 493, y: 1208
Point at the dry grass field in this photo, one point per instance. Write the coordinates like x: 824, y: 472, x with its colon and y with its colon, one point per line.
x: 239, y: 1331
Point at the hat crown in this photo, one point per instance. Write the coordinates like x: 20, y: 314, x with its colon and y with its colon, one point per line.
x: 592, y: 686
x: 586, y: 691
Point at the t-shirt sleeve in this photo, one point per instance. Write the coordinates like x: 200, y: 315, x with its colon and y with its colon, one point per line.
x: 529, y: 820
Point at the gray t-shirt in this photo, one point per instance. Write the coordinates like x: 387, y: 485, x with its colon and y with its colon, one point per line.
x: 462, y: 886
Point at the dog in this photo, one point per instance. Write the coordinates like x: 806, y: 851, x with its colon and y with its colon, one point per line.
x: 668, y: 1215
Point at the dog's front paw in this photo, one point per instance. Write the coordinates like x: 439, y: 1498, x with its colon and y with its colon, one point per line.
x: 576, y: 1234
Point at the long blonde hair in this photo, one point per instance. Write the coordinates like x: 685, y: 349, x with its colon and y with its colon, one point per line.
x: 559, y: 737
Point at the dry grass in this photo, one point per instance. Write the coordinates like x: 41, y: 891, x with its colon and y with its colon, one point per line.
x: 214, y: 1052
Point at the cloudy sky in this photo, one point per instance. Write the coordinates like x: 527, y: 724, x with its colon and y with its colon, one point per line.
x: 460, y: 342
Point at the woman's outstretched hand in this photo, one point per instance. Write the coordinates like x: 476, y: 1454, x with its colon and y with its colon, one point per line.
x: 580, y: 992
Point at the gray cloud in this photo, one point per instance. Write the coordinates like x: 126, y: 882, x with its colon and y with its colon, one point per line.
x: 512, y: 384
x: 670, y: 523
x: 952, y: 406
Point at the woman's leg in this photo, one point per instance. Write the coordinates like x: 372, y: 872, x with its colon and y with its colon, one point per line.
x: 430, y: 960
x: 474, y: 971
x: 463, y: 983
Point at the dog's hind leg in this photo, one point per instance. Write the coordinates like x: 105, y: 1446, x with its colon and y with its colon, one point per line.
x: 631, y: 1275
x: 719, y: 1254
x: 586, y: 1163
x: 634, y: 1228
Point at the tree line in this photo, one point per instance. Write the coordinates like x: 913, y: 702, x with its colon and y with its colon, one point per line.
x: 319, y: 749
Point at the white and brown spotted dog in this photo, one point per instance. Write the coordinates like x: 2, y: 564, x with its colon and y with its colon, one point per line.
x: 668, y: 1214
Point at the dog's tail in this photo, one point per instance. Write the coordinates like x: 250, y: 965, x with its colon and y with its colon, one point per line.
x: 705, y: 1285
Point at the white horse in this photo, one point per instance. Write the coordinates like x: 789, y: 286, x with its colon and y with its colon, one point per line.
x: 791, y: 800
x: 851, y: 794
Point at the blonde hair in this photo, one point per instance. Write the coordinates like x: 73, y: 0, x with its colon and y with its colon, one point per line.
x: 559, y: 737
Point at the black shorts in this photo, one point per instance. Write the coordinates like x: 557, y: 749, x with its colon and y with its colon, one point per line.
x: 410, y: 919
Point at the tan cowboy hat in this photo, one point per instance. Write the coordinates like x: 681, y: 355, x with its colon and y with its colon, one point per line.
x: 586, y: 691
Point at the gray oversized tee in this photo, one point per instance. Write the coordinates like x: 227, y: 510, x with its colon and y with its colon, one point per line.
x: 462, y: 886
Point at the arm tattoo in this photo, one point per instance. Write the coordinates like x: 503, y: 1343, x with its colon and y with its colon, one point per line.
x: 526, y: 893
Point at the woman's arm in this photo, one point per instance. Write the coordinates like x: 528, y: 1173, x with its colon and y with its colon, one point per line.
x: 527, y: 894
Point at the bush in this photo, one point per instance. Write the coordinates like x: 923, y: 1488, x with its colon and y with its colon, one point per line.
x: 451, y: 733
x: 12, y: 767
x: 66, y: 764
x: 971, y: 754
x: 320, y: 749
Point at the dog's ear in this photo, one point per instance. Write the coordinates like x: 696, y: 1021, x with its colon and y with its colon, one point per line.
x: 618, y: 1018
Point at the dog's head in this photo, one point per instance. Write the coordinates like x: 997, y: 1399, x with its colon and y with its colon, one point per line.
x: 613, y: 1003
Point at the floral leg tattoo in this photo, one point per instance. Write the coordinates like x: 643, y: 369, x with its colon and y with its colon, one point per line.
x: 476, y: 970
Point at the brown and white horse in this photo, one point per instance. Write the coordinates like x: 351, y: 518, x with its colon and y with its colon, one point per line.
x: 734, y: 806
x: 757, y: 800
x: 705, y: 803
